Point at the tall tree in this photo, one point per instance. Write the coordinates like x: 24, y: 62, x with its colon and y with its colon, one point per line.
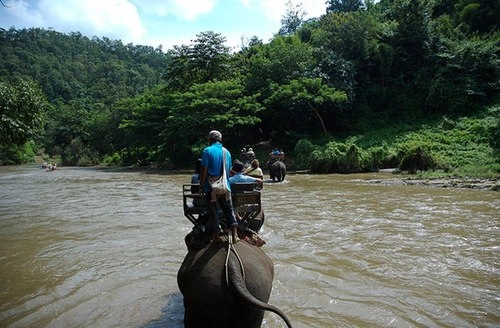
x: 284, y: 59
x: 341, y: 6
x: 207, y: 59
x: 305, y: 93
x: 213, y: 105
x: 144, y: 127
x: 293, y: 18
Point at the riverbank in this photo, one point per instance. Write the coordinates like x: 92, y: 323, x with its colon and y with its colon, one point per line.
x: 442, y: 182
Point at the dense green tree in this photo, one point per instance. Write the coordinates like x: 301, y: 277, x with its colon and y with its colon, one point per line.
x: 337, y: 72
x: 22, y: 110
x: 142, y: 129
x: 83, y: 78
x: 207, y: 59
x: 304, y: 94
x: 280, y: 61
x: 350, y: 51
x: 467, y: 76
x: 412, y: 38
x: 481, y: 16
x: 173, y: 125
x: 277, y: 63
x: 73, y: 66
x: 66, y: 132
x: 222, y: 105
x: 441, y: 7
x: 346, y: 35
x: 401, y: 59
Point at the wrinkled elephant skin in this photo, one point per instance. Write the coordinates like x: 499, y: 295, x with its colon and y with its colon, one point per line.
x: 210, y: 302
x: 277, y: 171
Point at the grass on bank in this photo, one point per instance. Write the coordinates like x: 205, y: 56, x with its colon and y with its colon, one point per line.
x: 465, y: 147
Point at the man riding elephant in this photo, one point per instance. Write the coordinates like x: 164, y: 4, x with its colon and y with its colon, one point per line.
x: 215, y: 163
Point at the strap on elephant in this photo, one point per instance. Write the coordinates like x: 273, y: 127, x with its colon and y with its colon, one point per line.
x: 230, y: 247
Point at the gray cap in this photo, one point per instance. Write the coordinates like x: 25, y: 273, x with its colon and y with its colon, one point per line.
x: 215, y: 135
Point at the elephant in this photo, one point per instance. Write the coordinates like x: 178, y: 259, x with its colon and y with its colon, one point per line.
x: 226, y: 285
x: 277, y: 170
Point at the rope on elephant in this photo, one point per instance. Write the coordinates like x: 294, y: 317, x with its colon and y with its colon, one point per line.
x: 230, y: 247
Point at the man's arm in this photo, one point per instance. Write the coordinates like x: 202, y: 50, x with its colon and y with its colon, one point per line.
x: 259, y: 182
x: 203, y: 177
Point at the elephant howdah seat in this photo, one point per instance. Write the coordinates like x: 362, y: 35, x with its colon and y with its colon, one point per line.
x: 246, y: 200
x: 195, y: 205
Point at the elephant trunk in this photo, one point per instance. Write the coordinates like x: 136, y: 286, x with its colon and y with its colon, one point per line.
x: 237, y: 287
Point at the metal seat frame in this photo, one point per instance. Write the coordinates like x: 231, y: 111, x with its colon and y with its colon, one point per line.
x: 245, y: 197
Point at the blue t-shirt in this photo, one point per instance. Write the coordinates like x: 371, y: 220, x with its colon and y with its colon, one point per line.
x: 211, y: 158
x: 241, y: 178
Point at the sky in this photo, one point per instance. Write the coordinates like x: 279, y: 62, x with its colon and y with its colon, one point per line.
x: 156, y: 23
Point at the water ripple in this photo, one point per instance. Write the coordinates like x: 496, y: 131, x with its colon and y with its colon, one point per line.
x: 101, y: 248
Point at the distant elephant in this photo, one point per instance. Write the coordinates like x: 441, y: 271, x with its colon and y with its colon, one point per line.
x: 232, y: 295
x: 277, y: 170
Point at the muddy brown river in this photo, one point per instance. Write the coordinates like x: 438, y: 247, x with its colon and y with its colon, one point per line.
x: 85, y: 247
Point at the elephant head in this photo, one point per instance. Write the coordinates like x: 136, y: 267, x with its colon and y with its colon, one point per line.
x: 226, y: 286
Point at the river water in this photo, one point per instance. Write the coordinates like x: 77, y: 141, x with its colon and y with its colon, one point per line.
x: 82, y: 247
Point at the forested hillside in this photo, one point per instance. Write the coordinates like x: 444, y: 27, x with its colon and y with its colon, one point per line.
x: 358, y: 89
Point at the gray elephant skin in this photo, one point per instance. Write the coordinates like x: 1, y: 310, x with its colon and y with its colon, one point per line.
x: 277, y: 171
x: 211, y: 301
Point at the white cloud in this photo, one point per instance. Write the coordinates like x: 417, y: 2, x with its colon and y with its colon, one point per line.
x: 274, y: 10
x: 314, y: 8
x: 183, y: 9
x: 117, y: 19
x: 155, y: 22
x: 193, y: 8
x: 22, y: 12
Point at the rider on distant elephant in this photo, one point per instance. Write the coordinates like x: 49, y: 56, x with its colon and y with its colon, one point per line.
x: 276, y: 155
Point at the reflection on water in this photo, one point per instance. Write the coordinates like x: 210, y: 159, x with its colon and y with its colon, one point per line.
x: 101, y: 248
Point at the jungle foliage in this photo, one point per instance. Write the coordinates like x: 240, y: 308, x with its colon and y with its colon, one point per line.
x: 368, y: 85
x: 466, y: 145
